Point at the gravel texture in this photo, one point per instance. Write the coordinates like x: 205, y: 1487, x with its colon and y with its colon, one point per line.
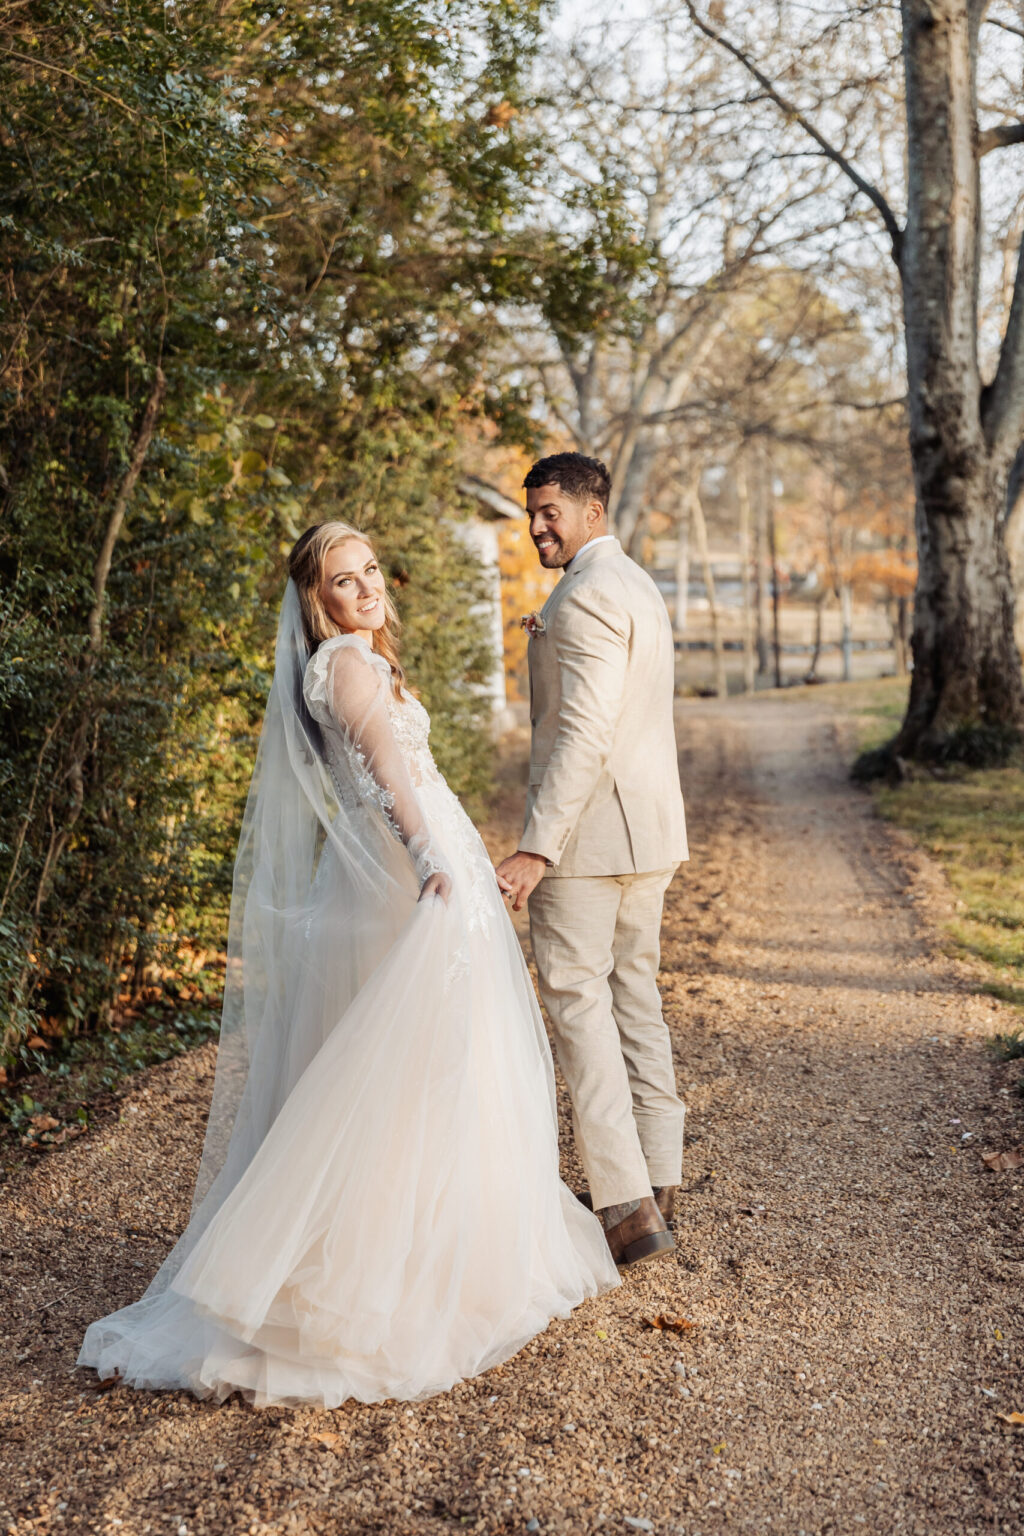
x: 851, y: 1269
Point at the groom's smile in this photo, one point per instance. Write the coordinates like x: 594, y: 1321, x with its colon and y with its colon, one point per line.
x: 560, y: 524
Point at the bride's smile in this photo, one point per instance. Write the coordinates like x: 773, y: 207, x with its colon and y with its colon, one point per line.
x: 353, y: 588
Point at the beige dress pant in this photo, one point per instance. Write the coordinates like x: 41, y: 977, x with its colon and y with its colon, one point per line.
x: 596, y: 940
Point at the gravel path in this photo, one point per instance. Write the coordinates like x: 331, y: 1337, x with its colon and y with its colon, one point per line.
x: 851, y: 1270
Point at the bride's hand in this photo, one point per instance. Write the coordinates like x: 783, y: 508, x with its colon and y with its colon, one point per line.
x: 437, y: 885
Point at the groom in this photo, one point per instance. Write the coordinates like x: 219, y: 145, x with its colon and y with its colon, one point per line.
x: 604, y: 833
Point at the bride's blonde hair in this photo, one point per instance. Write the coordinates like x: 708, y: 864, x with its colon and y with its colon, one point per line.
x: 306, y: 568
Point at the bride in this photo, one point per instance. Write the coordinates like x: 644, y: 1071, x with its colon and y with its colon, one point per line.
x: 378, y: 1212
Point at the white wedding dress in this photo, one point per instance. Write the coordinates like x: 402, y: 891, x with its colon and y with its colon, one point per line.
x: 379, y: 1213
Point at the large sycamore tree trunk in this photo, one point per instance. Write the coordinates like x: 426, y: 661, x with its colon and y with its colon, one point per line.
x: 1015, y: 539
x: 964, y: 434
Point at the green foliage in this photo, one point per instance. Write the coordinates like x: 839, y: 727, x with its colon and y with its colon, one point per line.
x: 1008, y: 1046
x: 282, y: 229
x: 61, y: 1083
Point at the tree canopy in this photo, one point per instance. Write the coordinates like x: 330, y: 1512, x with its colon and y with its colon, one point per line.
x: 249, y: 256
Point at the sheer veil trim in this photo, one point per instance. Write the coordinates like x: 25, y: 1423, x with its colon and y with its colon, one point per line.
x: 293, y: 816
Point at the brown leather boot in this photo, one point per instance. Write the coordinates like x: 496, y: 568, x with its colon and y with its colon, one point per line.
x: 665, y: 1200
x: 641, y: 1236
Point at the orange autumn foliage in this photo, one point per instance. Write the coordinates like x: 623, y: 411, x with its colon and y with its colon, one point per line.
x: 525, y: 586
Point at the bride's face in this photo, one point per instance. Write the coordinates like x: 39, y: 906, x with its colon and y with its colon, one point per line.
x: 353, y: 589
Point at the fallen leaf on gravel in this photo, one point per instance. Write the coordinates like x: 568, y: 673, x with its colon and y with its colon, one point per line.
x: 327, y: 1437
x: 106, y: 1384
x: 1002, y: 1162
x: 44, y: 1123
x: 66, y: 1134
x: 665, y: 1324
x: 1011, y: 1418
x: 600, y: 1333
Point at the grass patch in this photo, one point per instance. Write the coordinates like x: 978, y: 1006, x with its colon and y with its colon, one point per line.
x: 970, y: 819
x: 1005, y: 993
x: 973, y: 823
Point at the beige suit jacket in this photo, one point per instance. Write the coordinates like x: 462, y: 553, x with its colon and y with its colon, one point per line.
x: 604, y: 795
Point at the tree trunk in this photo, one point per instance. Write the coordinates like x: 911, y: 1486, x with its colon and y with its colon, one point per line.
x: 846, y: 630
x: 773, y: 556
x: 117, y: 515
x: 639, y: 540
x: 660, y: 387
x: 896, y: 612
x: 902, y: 613
x: 700, y: 529
x: 629, y: 508
x: 682, y: 573
x: 967, y: 669
x: 743, y: 499
x: 812, y: 670
x: 761, y: 566
x: 1014, y: 535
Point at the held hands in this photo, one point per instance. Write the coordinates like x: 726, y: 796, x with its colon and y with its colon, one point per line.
x: 518, y: 875
x: 437, y: 885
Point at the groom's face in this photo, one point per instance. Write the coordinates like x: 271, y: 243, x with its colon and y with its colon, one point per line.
x: 561, y: 524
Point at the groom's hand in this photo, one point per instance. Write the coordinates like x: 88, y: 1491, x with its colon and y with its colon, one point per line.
x: 518, y: 875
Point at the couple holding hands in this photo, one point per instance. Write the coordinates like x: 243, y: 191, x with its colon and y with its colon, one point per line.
x: 379, y: 1212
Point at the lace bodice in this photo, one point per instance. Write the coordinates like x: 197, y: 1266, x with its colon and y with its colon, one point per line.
x: 408, y: 719
x: 377, y: 747
x: 411, y: 725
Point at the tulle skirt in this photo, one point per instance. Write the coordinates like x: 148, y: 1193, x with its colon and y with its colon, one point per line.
x: 402, y: 1224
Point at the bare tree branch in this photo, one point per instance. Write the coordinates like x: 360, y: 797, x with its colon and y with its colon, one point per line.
x: 999, y: 138
x: 793, y: 112
x: 1005, y: 26
x: 1002, y: 402
x: 58, y: 69
x: 869, y: 405
x: 120, y: 507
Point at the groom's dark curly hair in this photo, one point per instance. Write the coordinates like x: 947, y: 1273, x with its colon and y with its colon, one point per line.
x: 573, y: 473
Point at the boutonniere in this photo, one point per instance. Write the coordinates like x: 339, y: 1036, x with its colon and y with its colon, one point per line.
x: 533, y: 624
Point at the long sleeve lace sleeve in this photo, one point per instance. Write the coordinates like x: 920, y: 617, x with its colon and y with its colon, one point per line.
x: 357, y: 698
